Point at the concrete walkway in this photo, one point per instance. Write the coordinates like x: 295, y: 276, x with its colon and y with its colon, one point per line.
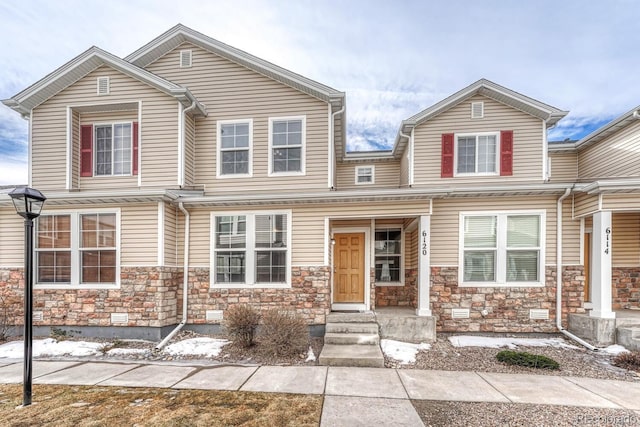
x: 353, y: 396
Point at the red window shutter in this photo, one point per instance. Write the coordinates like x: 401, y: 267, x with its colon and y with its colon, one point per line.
x: 447, y: 155
x: 134, y: 159
x: 86, y: 150
x: 506, y: 153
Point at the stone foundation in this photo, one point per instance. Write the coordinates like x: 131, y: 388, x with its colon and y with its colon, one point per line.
x: 507, y: 308
x: 399, y: 296
x: 625, y: 282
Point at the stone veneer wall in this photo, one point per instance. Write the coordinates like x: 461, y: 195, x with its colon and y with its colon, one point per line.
x: 508, y: 307
x: 146, y: 294
x: 399, y: 296
x: 309, y: 295
x: 626, y: 287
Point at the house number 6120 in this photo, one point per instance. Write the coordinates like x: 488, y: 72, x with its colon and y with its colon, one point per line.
x: 424, y: 243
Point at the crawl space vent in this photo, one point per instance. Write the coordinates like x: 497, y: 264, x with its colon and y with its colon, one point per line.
x: 119, y: 318
x: 459, y: 313
x: 185, y: 58
x: 103, y: 85
x: 539, y: 314
x: 477, y: 110
x: 37, y: 316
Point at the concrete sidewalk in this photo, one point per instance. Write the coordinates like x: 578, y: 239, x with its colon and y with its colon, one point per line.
x: 385, y: 393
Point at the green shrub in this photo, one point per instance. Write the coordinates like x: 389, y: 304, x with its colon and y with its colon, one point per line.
x: 241, y: 322
x: 521, y: 358
x: 283, y: 333
x: 628, y: 360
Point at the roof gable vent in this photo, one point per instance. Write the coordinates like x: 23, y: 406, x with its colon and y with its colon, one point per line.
x: 103, y: 85
x: 185, y: 58
x: 477, y: 110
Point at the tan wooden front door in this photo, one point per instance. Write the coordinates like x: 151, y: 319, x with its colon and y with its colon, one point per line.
x: 348, y: 263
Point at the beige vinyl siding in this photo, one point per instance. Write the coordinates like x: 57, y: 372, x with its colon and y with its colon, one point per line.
x: 584, y: 204
x: 625, y: 240
x: 385, y: 175
x: 445, y: 226
x: 231, y: 92
x: 189, y: 151
x: 617, y: 156
x: 11, y: 238
x: 170, y: 235
x: 404, y: 167
x: 159, y: 132
x: 139, y: 235
x: 621, y: 202
x: 564, y: 167
x: 527, y: 142
x: 411, y: 249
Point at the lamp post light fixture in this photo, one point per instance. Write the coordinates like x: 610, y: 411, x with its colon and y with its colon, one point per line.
x: 28, y: 203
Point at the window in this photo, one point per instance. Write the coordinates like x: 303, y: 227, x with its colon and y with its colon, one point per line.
x: 251, y: 248
x: 388, y: 255
x: 476, y: 154
x: 113, y: 149
x: 77, y: 249
x: 364, y: 174
x: 234, y: 148
x: 286, y: 144
x: 502, y: 248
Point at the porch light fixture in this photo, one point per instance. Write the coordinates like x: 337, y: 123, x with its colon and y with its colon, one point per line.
x: 28, y: 203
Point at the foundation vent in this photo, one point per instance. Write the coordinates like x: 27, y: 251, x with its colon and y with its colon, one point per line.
x: 213, y: 315
x: 539, y: 314
x: 459, y: 313
x: 37, y: 316
x: 119, y: 318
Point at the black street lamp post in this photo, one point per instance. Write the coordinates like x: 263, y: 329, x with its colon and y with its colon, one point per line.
x: 28, y: 203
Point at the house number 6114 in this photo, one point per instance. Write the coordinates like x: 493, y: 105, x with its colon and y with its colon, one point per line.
x: 424, y: 243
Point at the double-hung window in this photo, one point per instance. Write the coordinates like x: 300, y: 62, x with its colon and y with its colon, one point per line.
x: 502, y: 248
x: 251, y: 249
x: 477, y: 154
x: 234, y: 148
x: 287, y: 145
x: 78, y: 249
x: 388, y: 256
x: 113, y: 149
x: 365, y: 174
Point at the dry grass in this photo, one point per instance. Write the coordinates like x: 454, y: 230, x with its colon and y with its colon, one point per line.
x: 75, y: 406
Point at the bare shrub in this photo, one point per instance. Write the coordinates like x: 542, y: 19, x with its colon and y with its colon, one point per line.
x: 628, y: 360
x: 8, y: 302
x: 241, y: 322
x: 283, y: 333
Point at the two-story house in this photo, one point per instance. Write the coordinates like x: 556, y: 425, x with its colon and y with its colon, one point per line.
x: 191, y: 176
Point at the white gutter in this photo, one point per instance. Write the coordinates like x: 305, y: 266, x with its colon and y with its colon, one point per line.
x: 332, y: 149
x: 559, y: 274
x: 185, y: 279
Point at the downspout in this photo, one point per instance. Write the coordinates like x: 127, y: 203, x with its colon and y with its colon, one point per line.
x: 559, y: 274
x: 185, y: 279
x: 183, y: 138
x: 332, y: 185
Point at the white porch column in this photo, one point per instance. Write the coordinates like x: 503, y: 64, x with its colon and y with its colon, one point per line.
x: 601, y: 266
x: 424, y: 266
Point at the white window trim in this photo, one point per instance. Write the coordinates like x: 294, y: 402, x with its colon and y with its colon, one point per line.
x: 502, y: 249
x: 250, y: 250
x: 303, y: 163
x: 473, y: 104
x: 75, y: 251
x: 476, y: 134
x: 107, y: 83
x: 402, y: 254
x: 190, y: 53
x: 219, y: 173
x: 95, y: 151
x: 373, y: 174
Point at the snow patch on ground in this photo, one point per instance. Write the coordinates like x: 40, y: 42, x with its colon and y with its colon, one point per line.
x: 207, y: 347
x: 50, y: 347
x: 404, y: 352
x: 614, y: 350
x: 499, y: 342
x: 126, y: 352
x: 311, y: 357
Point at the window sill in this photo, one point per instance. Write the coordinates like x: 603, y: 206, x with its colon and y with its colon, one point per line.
x: 250, y: 286
x: 501, y: 285
x: 234, y: 175
x: 466, y: 175
x: 389, y: 284
x: 77, y: 286
x: 276, y: 174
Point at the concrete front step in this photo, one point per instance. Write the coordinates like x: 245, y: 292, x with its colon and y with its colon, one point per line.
x: 366, y: 317
x: 629, y: 337
x: 351, y: 355
x: 351, y: 338
x: 352, y: 328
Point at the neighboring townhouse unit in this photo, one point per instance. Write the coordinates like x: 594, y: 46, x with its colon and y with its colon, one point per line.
x: 191, y: 176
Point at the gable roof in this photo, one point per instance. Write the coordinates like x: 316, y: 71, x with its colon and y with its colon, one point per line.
x: 181, y: 33
x: 486, y: 88
x: 610, y: 128
x: 82, y: 65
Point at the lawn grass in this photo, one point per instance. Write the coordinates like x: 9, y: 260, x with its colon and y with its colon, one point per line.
x: 80, y: 406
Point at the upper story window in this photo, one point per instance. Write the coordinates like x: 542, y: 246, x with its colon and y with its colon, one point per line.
x: 287, y: 145
x: 235, y: 143
x: 365, y: 174
x: 476, y: 154
x: 502, y: 248
x: 109, y: 149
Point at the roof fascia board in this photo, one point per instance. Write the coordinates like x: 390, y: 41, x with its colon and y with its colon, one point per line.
x: 602, y: 132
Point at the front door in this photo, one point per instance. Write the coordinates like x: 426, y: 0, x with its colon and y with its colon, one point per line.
x: 348, y: 263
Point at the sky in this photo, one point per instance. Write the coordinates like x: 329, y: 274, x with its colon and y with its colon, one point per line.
x: 392, y: 58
